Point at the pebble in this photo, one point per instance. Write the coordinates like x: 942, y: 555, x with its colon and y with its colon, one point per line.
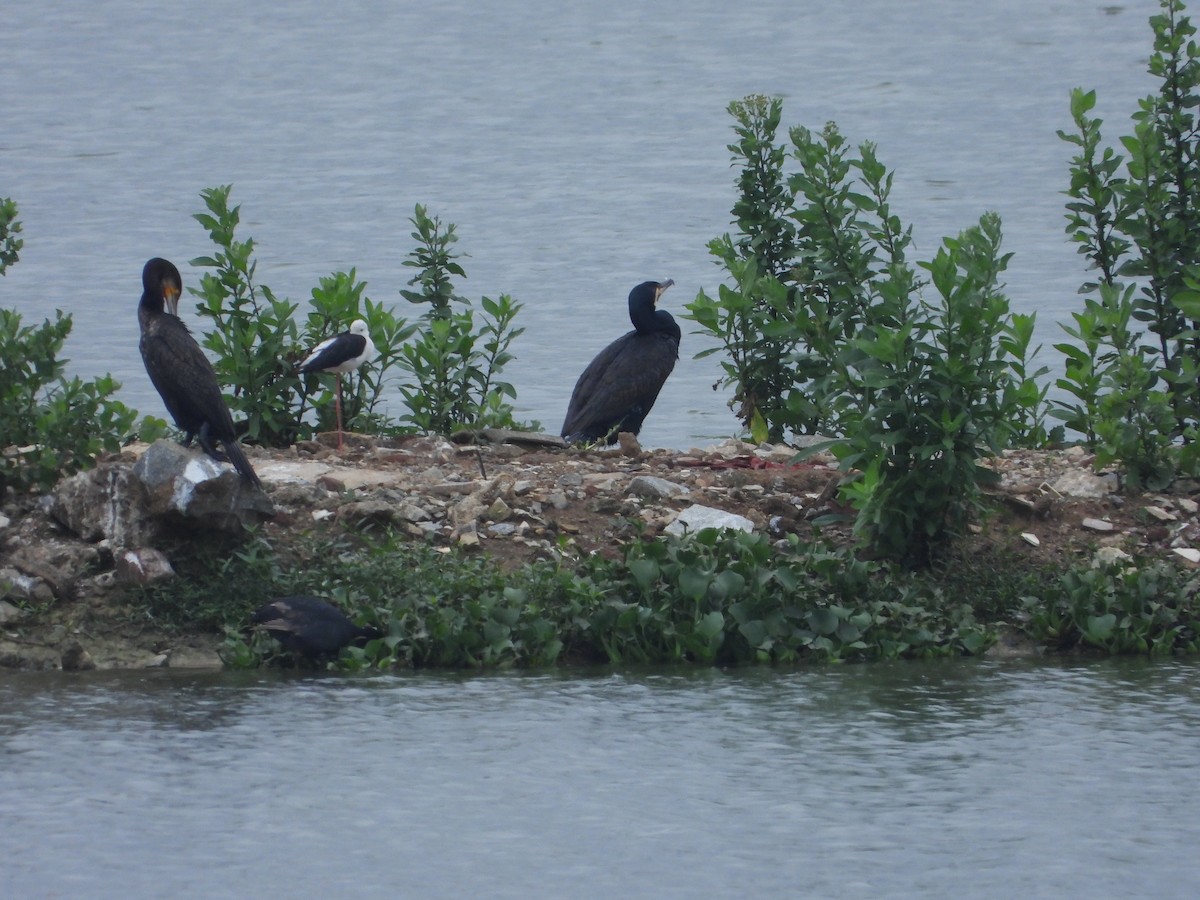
x: 1097, y: 525
x: 1162, y: 515
x: 656, y: 488
x: 1189, y: 555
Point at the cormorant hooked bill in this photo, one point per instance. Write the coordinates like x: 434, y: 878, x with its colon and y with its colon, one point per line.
x: 341, y: 353
x: 617, y: 390
x: 310, y: 627
x: 180, y: 371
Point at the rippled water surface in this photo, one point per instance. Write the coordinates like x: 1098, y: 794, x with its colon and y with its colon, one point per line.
x: 946, y: 780
x: 580, y: 148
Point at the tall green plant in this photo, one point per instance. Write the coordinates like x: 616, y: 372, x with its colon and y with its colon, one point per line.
x: 10, y: 227
x: 258, y: 344
x: 455, y: 363
x: 337, y: 301
x: 253, y: 334
x: 50, y: 425
x: 1136, y: 218
x: 941, y: 402
x: 827, y: 331
x: 757, y: 261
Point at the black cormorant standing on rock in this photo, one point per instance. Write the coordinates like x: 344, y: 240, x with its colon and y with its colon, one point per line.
x: 180, y: 371
x: 339, y: 354
x: 310, y: 627
x: 619, y: 387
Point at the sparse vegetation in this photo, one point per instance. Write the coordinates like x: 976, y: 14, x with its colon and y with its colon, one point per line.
x: 50, y: 425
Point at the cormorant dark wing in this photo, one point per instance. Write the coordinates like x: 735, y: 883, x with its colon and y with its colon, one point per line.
x: 309, y: 625
x: 184, y: 378
x: 618, y: 388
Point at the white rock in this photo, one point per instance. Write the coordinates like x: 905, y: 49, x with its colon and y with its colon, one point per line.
x: 697, y: 518
x: 1189, y: 555
x: 1107, y: 556
x: 1162, y: 515
x: 143, y: 565
x: 1031, y: 539
x: 1097, y: 525
x: 1078, y: 483
x: 1187, y: 505
x: 656, y: 488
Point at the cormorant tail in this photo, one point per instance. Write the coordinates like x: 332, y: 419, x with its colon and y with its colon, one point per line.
x: 234, y: 451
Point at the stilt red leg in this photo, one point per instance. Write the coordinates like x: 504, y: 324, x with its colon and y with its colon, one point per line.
x: 338, y: 410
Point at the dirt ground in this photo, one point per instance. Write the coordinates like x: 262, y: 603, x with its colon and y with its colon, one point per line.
x: 582, y: 500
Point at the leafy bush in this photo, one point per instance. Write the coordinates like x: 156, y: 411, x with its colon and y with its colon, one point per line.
x: 827, y: 331
x: 455, y: 365
x: 10, y: 227
x: 253, y: 332
x: 257, y: 342
x: 1136, y: 218
x: 52, y: 425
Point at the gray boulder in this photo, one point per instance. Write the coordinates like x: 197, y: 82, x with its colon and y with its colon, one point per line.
x: 168, y: 487
x: 187, y: 486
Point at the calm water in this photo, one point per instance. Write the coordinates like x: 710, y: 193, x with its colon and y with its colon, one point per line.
x: 955, y: 780
x: 580, y: 150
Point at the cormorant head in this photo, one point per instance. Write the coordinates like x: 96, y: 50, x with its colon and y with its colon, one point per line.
x: 160, y: 279
x: 648, y: 292
x: 642, y: 313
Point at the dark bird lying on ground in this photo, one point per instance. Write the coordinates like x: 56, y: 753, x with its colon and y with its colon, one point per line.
x: 180, y: 371
x: 619, y: 387
x: 310, y: 627
x: 340, y: 354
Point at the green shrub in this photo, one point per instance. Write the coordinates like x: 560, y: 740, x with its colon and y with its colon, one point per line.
x: 1136, y: 218
x: 52, y: 425
x: 10, y: 227
x: 827, y: 331
x: 455, y: 365
x: 254, y: 335
x: 258, y: 344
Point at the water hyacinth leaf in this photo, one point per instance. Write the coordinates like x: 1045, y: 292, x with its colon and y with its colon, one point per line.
x: 644, y: 571
x: 755, y: 633
x: 1100, y: 628
x: 729, y: 584
x: 823, y: 621
x: 711, y: 626
x: 693, y: 583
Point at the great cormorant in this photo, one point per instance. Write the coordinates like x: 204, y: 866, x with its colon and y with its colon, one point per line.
x: 339, y: 354
x: 617, y: 390
x: 180, y: 371
x: 310, y: 627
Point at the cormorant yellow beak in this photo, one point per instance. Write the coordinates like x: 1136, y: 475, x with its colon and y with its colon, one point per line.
x: 171, y: 296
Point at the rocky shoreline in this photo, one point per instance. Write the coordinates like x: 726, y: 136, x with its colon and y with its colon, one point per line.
x: 68, y: 559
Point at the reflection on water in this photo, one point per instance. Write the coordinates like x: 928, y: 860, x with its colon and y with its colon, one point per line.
x: 883, y: 780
